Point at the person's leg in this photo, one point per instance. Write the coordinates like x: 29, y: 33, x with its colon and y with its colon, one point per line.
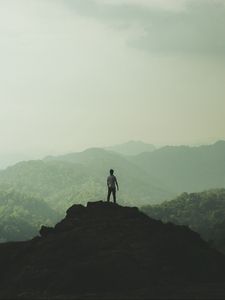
x: 109, y: 194
x: 114, y: 195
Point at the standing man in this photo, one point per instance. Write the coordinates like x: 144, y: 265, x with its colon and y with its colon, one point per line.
x: 112, y: 184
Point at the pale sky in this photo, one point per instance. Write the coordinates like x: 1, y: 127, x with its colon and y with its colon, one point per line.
x: 90, y: 73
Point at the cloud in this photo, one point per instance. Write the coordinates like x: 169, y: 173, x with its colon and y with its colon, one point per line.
x: 80, y: 73
x: 163, y: 26
x: 162, y: 4
x: 199, y: 29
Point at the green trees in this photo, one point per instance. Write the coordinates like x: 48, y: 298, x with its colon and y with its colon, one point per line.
x: 81, y: 177
x: 21, y: 216
x: 148, y: 178
x: 202, y: 212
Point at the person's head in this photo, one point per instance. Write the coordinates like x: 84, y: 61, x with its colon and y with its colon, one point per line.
x: 111, y: 171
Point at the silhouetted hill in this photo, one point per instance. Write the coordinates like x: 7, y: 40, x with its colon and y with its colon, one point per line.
x: 105, y: 250
x: 202, y: 212
x: 132, y: 148
x: 186, y: 169
x: 21, y: 216
x: 218, y: 235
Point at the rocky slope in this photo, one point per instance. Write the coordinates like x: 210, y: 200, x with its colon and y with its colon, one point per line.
x: 104, y: 249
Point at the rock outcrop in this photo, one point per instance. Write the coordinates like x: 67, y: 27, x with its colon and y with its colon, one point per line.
x: 104, y: 248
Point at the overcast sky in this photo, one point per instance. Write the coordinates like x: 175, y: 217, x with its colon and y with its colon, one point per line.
x: 83, y: 73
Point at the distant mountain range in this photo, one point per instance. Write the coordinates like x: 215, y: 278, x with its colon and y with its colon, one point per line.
x: 146, y: 178
x: 132, y: 148
x: 67, y: 179
x: 186, y: 169
x: 129, y: 148
x: 9, y: 159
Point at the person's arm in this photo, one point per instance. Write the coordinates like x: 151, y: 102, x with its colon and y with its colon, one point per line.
x: 117, y: 184
x: 107, y: 181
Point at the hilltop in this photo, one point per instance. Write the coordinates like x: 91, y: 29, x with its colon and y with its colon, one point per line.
x: 132, y: 148
x: 106, y: 250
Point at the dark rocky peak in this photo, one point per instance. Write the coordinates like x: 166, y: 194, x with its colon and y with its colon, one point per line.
x: 79, y: 216
x: 107, y: 248
x: 102, y: 211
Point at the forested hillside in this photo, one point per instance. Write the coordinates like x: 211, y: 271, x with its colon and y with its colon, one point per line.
x: 202, y: 212
x: 63, y: 181
x: 145, y: 179
x: 148, y: 178
x: 21, y: 216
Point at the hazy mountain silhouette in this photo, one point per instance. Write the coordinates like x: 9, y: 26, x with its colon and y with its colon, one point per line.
x: 105, y: 250
x: 73, y: 178
x: 145, y: 179
x: 132, y: 148
x: 186, y: 169
x: 9, y: 159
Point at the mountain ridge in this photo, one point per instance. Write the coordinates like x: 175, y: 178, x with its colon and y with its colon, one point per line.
x: 67, y: 177
x: 186, y: 169
x: 132, y: 148
x: 148, y: 178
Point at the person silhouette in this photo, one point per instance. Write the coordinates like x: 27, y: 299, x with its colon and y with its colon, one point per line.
x: 112, y: 184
